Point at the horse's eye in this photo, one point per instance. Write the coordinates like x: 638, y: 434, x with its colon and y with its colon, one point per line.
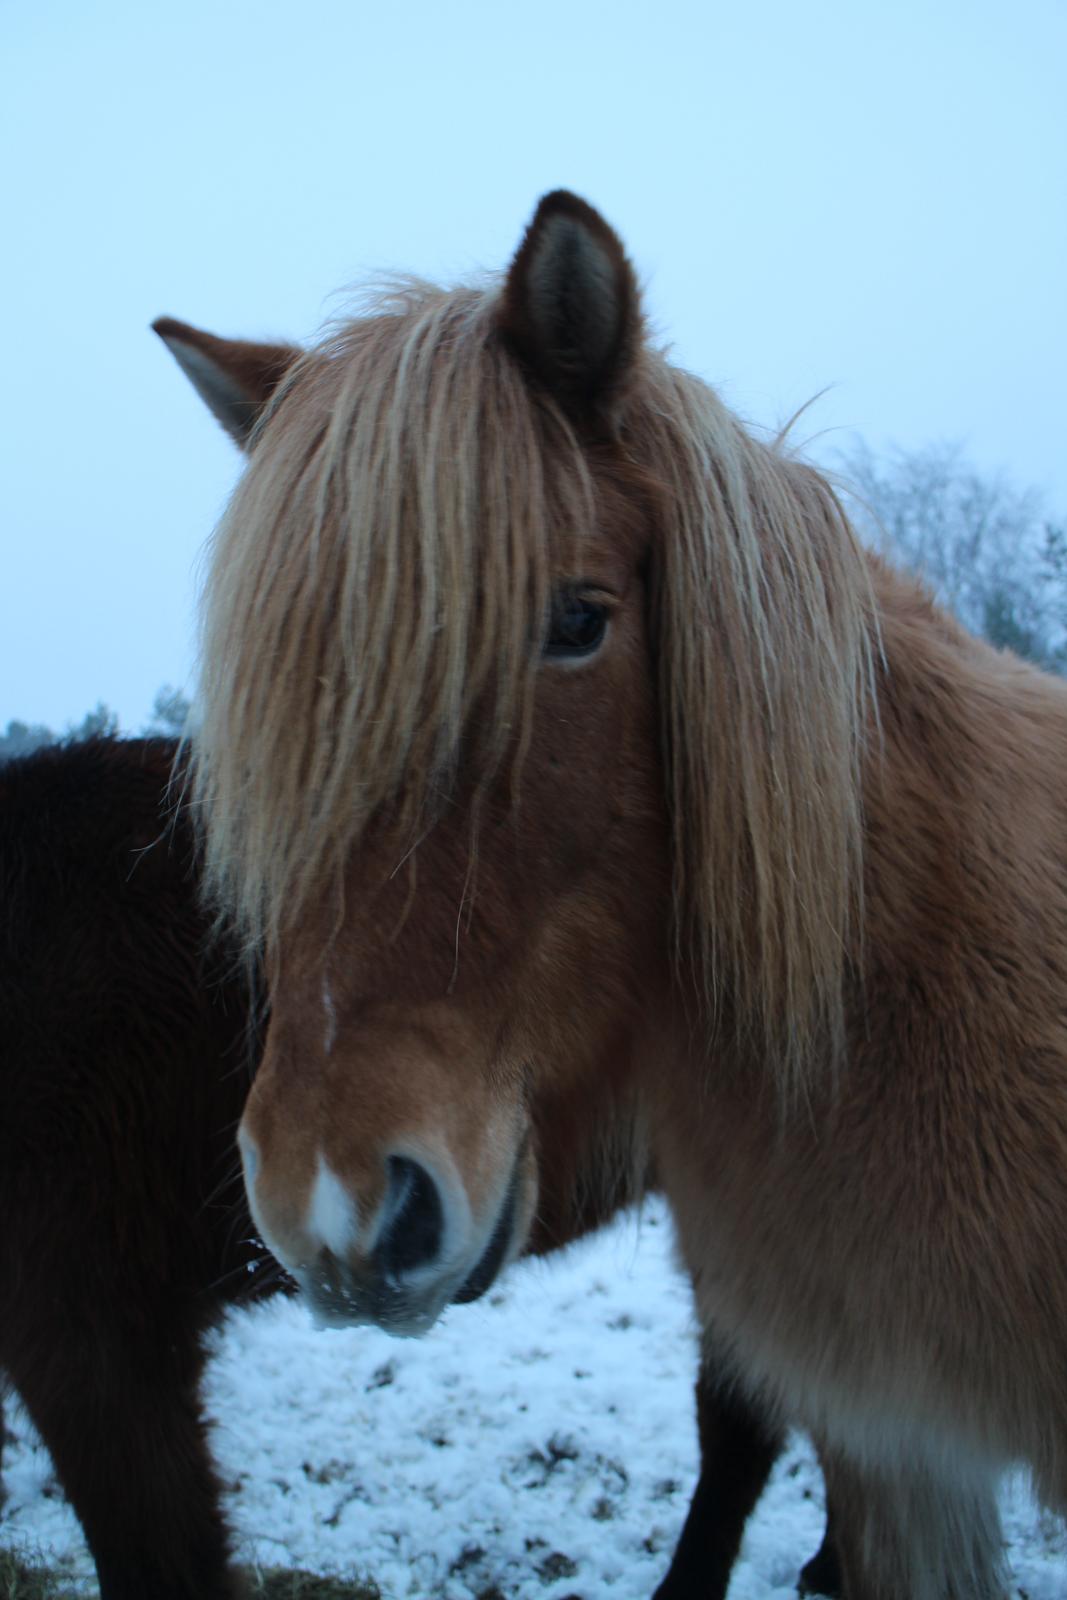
x: 576, y: 626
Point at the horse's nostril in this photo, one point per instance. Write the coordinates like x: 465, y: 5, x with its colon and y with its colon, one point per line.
x: 412, y: 1236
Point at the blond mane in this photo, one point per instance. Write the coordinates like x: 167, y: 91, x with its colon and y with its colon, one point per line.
x: 376, y: 590
x: 767, y: 631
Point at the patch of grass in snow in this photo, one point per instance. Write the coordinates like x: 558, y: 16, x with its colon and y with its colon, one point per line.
x: 290, y: 1583
x: 23, y: 1576
x: 26, y: 1577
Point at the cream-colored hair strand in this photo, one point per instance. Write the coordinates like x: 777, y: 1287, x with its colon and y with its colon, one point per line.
x: 379, y: 577
x: 766, y: 628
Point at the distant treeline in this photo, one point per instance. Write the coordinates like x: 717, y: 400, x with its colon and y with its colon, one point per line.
x: 170, y: 709
x: 987, y: 549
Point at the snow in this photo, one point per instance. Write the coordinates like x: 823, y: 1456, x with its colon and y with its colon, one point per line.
x: 541, y: 1441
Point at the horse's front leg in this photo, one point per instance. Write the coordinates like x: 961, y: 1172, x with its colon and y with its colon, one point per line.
x: 822, y: 1574
x: 911, y: 1535
x: 739, y: 1444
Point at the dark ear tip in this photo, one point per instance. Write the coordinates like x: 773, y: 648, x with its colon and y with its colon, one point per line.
x: 169, y: 328
x: 564, y: 202
x: 567, y: 202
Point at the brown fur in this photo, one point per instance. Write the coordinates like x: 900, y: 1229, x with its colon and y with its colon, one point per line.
x: 782, y: 866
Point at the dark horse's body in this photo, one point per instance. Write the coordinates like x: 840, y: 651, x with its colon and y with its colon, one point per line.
x: 125, y: 1066
x: 126, y: 1057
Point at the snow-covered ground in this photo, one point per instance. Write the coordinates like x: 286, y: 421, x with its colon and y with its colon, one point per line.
x: 538, y: 1444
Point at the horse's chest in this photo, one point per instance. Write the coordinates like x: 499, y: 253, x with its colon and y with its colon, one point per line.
x: 806, y: 1257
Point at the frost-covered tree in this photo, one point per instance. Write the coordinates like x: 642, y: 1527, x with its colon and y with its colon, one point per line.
x: 986, y: 547
x: 20, y: 738
x: 99, y: 723
x: 170, y: 713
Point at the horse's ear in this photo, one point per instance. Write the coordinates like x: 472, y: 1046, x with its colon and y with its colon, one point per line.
x: 234, y: 377
x: 571, y: 309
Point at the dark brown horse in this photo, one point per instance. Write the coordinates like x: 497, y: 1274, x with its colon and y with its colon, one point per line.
x: 125, y: 1063
x: 124, y: 1070
x: 560, y: 736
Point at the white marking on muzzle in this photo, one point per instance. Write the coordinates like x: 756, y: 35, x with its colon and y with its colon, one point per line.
x: 332, y: 1215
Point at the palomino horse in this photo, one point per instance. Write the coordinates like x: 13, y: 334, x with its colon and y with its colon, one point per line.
x: 559, y: 736
x: 125, y: 1230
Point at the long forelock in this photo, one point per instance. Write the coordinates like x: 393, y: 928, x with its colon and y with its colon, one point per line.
x: 375, y: 590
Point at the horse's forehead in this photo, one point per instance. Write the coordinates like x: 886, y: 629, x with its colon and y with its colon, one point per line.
x: 622, y: 523
x: 603, y: 557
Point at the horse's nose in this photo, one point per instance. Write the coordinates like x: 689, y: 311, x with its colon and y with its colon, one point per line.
x: 413, y: 1221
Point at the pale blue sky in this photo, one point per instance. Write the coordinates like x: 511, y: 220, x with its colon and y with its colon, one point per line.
x: 872, y: 197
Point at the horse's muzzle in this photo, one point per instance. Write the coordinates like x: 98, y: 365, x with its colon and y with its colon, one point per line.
x: 395, y: 1253
x: 390, y: 1286
x: 405, y: 1281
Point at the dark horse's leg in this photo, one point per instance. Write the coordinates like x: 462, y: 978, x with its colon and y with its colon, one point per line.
x: 127, y: 1438
x: 739, y: 1445
x: 822, y: 1575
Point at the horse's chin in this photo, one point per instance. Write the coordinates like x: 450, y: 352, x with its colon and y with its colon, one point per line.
x: 408, y: 1323
x: 342, y: 1303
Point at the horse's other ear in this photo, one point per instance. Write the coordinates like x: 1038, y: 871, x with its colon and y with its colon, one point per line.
x: 571, y: 309
x: 234, y: 377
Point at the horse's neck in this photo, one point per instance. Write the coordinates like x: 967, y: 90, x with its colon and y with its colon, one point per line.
x: 954, y: 710
x: 966, y: 774
x: 593, y: 1157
